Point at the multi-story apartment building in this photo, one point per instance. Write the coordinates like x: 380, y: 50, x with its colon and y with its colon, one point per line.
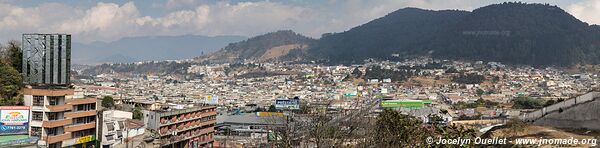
x: 59, y: 119
x: 191, y: 125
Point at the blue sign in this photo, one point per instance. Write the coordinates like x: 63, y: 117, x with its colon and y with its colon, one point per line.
x: 14, y: 120
x: 287, y: 104
x: 13, y: 129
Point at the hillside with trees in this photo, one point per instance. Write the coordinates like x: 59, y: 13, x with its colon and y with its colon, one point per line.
x: 404, y: 31
x: 163, y: 67
x: 510, y: 32
x: 514, y: 33
x: 270, y: 46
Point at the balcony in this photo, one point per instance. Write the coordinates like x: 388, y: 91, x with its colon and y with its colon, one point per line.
x: 56, y: 123
x: 59, y: 108
x: 57, y: 138
x: 81, y: 101
x: 164, y: 129
x: 80, y: 114
x: 79, y: 127
x: 178, y: 138
x: 202, y: 115
x: 48, y: 92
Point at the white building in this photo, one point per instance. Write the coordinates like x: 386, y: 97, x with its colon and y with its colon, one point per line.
x: 117, y: 125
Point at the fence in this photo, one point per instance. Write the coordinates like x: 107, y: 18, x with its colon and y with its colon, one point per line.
x: 532, y: 116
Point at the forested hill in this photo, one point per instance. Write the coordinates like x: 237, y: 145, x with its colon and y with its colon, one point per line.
x: 270, y: 46
x: 516, y: 33
x: 532, y: 34
x: 407, y: 30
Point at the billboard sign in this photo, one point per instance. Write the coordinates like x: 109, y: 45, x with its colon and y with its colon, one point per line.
x: 292, y: 104
x: 405, y: 103
x: 80, y: 140
x: 211, y: 99
x: 14, y: 120
x: 19, y: 141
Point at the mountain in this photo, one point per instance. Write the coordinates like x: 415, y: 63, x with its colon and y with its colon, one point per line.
x: 117, y: 58
x: 515, y: 33
x: 511, y: 32
x: 405, y: 30
x: 133, y: 49
x: 279, y: 45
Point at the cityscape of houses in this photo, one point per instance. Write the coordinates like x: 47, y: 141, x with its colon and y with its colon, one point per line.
x: 259, y: 104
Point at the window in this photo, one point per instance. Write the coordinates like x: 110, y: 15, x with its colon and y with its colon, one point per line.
x: 110, y: 126
x: 52, y: 116
x: 84, y: 120
x: 36, y: 131
x: 85, y: 107
x: 38, y: 100
x: 37, y: 116
x: 79, y: 108
x: 119, y: 134
x: 54, y: 100
x: 51, y: 131
x: 121, y: 125
x: 82, y: 133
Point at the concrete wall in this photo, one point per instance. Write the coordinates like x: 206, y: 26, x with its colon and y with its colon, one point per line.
x: 555, y: 107
x: 581, y: 116
x: 117, y: 114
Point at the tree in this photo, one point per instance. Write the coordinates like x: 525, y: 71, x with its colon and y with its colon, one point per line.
x: 398, y: 130
x: 480, y: 92
x: 549, y: 102
x: 108, y: 102
x: 394, y: 129
x: 451, y: 70
x: 10, y: 84
x: 272, y: 108
x: 356, y: 73
x: 516, y: 126
x: 470, y: 78
x: 495, y: 79
x: 15, y: 55
x: 527, y: 103
x: 11, y: 80
x: 137, y: 113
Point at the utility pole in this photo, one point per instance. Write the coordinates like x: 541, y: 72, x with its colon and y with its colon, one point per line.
x: 126, y: 136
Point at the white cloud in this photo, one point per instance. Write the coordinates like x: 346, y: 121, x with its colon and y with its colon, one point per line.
x: 110, y: 21
x: 105, y: 22
x: 587, y: 11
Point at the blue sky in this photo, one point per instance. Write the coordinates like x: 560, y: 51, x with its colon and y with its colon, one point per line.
x: 91, y: 21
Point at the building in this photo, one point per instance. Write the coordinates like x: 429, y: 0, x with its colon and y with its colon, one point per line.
x: 255, y: 127
x: 118, y: 128
x: 59, y: 119
x: 143, y: 103
x: 190, y: 125
x: 46, y: 58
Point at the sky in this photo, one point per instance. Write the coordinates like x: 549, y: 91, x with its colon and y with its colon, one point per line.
x: 105, y: 21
